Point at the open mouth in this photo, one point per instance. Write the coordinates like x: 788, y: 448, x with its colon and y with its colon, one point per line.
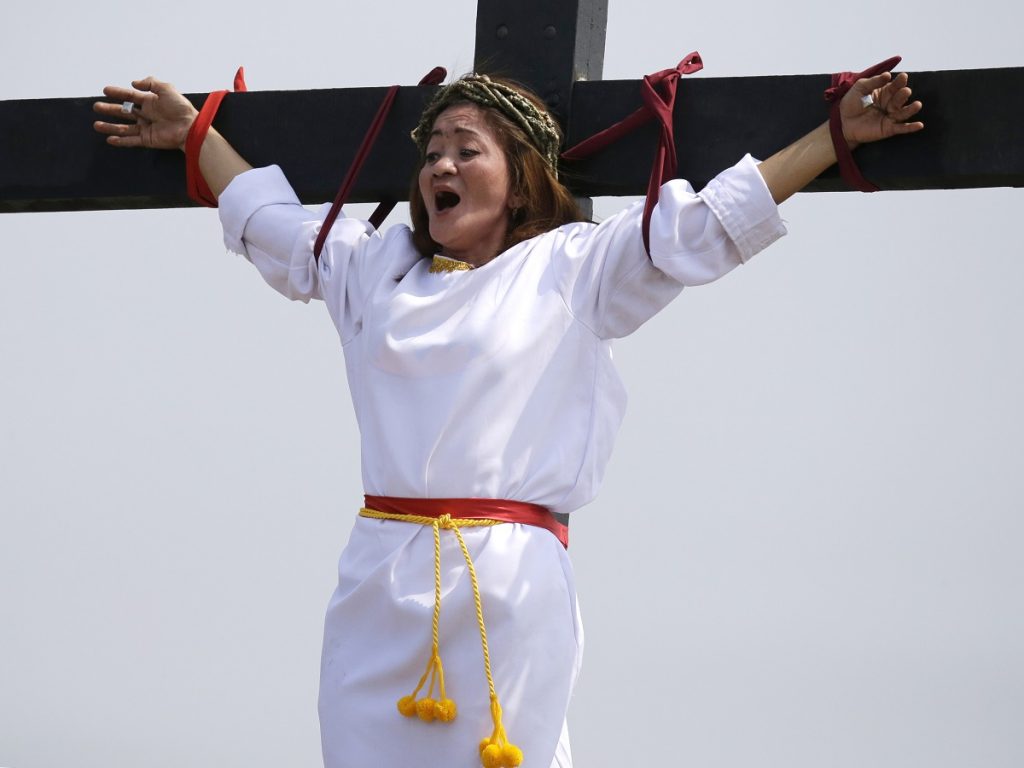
x: 445, y: 200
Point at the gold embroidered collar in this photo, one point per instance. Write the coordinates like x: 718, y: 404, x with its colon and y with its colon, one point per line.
x: 444, y: 264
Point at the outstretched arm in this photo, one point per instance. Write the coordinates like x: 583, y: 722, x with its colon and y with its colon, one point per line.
x: 163, y: 122
x: 790, y: 170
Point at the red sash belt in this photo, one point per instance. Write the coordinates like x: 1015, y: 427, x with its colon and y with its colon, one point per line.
x: 490, y: 509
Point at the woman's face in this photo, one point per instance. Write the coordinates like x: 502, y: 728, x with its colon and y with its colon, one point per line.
x: 465, y: 186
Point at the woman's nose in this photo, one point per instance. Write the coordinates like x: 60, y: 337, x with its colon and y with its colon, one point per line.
x: 443, y: 166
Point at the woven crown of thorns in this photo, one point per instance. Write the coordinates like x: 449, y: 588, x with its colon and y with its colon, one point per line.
x: 535, y: 122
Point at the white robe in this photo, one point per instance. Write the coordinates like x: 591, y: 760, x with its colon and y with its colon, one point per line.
x: 491, y: 383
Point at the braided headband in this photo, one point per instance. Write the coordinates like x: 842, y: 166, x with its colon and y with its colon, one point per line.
x: 539, y: 127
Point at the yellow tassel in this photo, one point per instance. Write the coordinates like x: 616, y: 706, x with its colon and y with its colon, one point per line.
x: 491, y: 757
x: 425, y: 710
x: 512, y: 756
x: 407, y: 706
x: 496, y: 751
x: 445, y: 710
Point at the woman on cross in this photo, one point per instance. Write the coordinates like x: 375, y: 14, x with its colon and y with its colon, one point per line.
x: 477, y: 346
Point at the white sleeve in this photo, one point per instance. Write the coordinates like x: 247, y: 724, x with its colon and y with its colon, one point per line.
x: 264, y: 221
x: 610, y: 283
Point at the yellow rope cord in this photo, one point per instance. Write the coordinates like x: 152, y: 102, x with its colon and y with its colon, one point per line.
x: 496, y: 751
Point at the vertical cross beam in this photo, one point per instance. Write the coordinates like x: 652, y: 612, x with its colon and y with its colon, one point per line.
x: 546, y: 45
x: 542, y: 44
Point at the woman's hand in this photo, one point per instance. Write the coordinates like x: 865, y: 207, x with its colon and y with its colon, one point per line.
x: 163, y: 122
x: 887, y: 114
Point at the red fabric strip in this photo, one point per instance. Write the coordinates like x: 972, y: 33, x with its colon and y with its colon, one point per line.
x: 487, y: 509
x: 353, y: 170
x: 195, y: 184
x: 658, y: 92
x: 435, y: 76
x: 841, y: 84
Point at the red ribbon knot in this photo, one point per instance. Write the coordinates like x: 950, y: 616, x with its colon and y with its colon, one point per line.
x: 841, y: 84
x: 658, y: 92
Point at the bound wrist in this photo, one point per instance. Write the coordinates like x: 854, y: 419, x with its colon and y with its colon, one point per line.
x: 186, y: 130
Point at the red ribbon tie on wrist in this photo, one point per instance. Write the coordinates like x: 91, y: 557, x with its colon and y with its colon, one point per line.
x: 195, y: 184
x: 841, y: 84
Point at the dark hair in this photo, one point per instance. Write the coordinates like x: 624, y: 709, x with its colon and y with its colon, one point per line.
x: 546, y: 203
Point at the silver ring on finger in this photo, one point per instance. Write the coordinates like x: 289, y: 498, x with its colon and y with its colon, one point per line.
x: 867, y: 101
x: 128, y: 107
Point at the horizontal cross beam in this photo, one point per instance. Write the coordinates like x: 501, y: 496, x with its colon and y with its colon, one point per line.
x: 47, y: 164
x: 968, y: 141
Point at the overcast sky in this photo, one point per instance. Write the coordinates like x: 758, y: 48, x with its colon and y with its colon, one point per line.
x: 808, y: 549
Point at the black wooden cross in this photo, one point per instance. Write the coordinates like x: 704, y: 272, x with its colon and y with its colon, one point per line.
x: 558, y: 50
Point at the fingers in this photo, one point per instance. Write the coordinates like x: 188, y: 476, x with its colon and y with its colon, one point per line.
x: 117, y: 129
x: 146, y: 83
x: 907, y: 127
x: 896, y: 86
x: 125, y: 134
x: 871, y: 84
x: 116, y: 111
x: 125, y: 141
x: 120, y: 93
x: 142, y: 92
x: 894, y: 99
x: 879, y: 107
x: 905, y: 112
x: 892, y: 96
x: 120, y: 134
x: 159, y: 117
x: 154, y: 86
x: 885, y: 84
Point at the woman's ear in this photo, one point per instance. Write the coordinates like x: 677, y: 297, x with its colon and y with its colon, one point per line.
x: 515, y: 202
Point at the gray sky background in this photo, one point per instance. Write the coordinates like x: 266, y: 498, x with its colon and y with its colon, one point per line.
x: 807, y: 552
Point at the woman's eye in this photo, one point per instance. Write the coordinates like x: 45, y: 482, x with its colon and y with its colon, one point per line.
x: 468, y: 153
x: 431, y: 157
